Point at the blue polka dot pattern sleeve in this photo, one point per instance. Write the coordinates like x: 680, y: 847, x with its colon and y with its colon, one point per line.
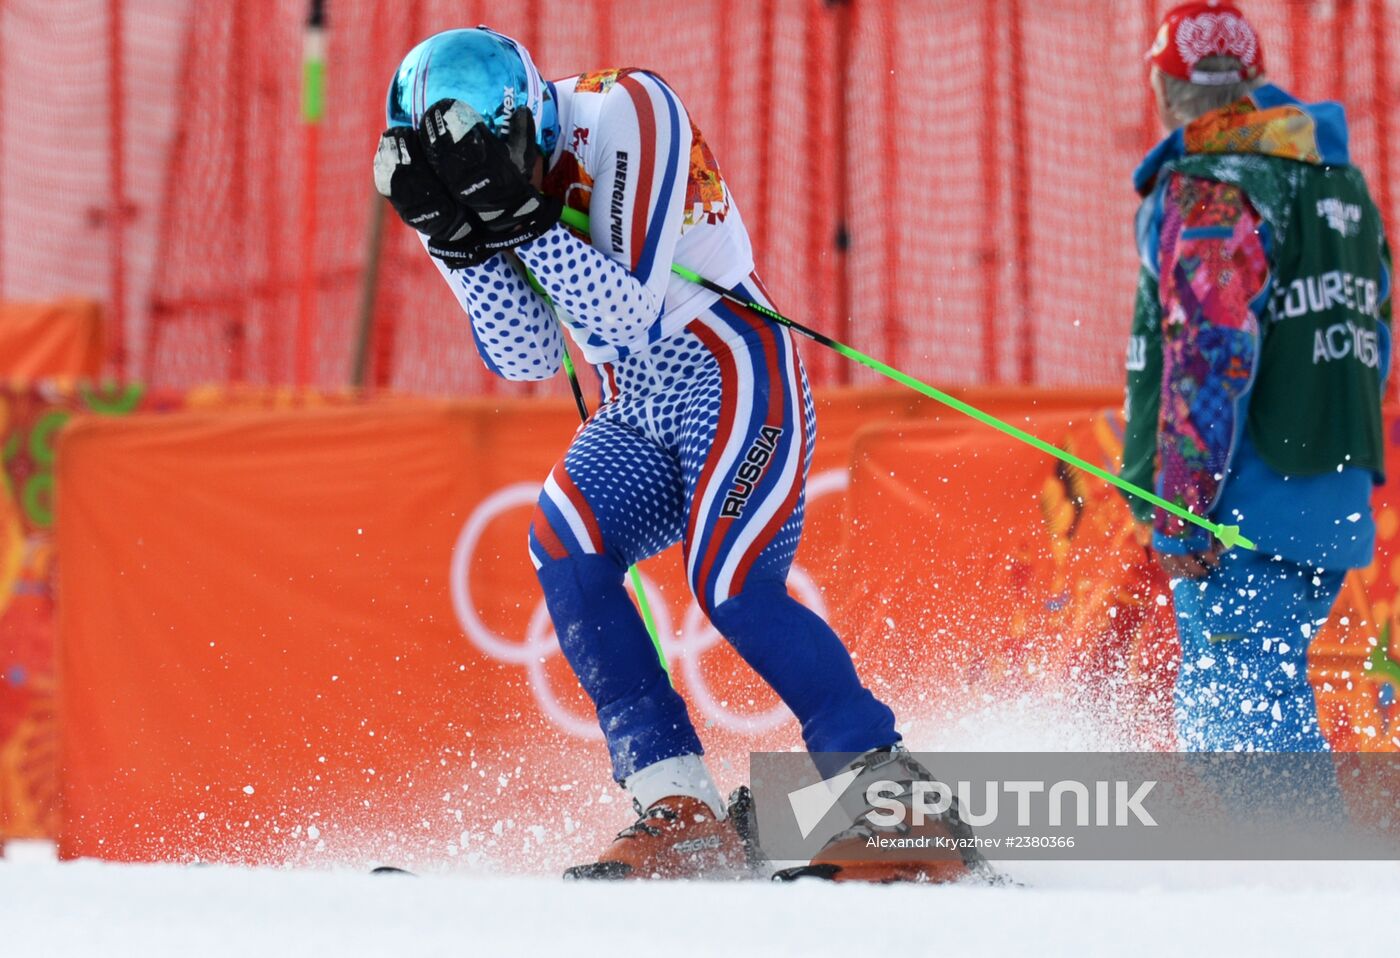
x: 597, y: 296
x: 514, y: 329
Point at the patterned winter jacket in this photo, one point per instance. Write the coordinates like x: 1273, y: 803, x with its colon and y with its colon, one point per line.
x: 1207, y: 294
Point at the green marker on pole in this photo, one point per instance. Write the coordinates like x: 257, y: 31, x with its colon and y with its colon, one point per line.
x: 313, y: 76
x: 313, y: 111
x: 1229, y: 536
x: 313, y: 63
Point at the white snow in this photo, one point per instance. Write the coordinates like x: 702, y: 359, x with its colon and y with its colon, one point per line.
x: 463, y: 905
x: 1275, y: 908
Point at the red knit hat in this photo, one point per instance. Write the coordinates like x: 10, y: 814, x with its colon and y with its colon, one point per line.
x: 1206, y: 28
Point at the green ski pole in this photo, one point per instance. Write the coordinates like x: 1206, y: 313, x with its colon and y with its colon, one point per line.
x: 1229, y: 536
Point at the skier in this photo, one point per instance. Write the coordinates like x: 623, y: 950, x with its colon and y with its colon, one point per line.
x: 1259, y: 347
x: 703, y: 436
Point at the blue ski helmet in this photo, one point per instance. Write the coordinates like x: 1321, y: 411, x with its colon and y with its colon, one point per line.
x: 484, y: 69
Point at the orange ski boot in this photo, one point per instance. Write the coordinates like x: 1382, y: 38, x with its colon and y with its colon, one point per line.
x: 939, y: 850
x: 677, y: 837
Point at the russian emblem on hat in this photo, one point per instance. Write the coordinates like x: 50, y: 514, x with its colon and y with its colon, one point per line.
x: 1193, y: 31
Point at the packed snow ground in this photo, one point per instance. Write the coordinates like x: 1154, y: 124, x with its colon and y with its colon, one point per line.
x: 89, y: 908
x: 54, y: 910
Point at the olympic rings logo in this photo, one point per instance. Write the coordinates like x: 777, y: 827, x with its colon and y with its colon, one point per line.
x: 683, y: 649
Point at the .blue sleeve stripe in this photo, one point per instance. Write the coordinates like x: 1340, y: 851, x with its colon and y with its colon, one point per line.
x: 480, y: 346
x: 1207, y: 232
x: 481, y: 349
x: 1261, y: 299
x: 668, y: 183
x: 1149, y: 225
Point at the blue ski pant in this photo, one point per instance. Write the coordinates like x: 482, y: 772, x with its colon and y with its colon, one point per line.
x: 1245, y: 631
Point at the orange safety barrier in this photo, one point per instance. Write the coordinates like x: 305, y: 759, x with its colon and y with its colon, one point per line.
x: 30, y: 419
x: 50, y: 339
x: 1017, y: 574
x: 37, y: 341
x: 281, y: 618
x: 315, y: 636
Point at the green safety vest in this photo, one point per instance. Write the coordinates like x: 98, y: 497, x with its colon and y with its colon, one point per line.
x: 1315, y: 403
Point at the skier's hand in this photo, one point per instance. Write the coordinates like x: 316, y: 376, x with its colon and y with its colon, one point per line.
x: 1193, y: 565
x: 488, y: 176
x: 403, y: 176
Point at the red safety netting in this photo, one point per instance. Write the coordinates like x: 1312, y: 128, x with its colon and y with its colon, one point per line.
x: 942, y: 184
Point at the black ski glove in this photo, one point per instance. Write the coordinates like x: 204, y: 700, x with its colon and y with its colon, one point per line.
x: 403, y: 175
x: 489, y: 176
